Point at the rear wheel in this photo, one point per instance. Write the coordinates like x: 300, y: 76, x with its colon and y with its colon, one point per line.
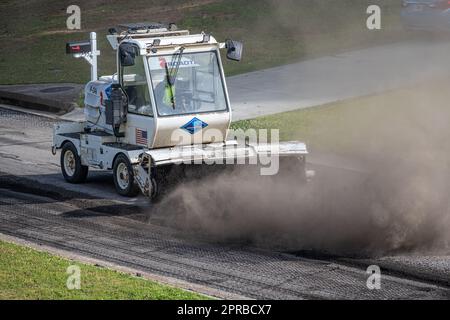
x: 71, y: 167
x: 124, y: 177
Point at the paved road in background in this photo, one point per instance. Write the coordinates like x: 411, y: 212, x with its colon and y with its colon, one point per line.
x: 90, y: 220
x: 338, y: 77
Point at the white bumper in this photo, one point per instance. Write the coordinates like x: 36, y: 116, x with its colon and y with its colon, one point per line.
x: 224, y: 153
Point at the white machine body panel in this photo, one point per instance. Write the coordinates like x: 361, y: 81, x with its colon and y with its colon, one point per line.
x: 181, y: 130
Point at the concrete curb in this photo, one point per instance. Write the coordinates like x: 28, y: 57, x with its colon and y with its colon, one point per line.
x: 43, y: 97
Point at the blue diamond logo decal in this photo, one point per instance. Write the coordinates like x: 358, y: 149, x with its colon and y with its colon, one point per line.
x: 194, y: 126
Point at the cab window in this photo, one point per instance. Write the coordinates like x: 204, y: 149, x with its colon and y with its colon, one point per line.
x: 135, y: 85
x: 195, y: 86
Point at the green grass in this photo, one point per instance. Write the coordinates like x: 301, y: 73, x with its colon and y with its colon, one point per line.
x: 281, y: 32
x: 29, y: 274
x: 369, y: 125
x: 274, y: 32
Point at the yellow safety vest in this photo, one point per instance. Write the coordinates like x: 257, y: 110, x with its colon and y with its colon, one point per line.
x: 168, y: 94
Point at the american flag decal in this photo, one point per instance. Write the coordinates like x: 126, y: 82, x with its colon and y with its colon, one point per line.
x: 141, y: 136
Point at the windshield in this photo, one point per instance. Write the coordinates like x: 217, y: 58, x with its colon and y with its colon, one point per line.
x: 195, y: 84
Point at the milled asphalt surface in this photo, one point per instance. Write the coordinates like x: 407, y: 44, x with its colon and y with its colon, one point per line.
x: 119, y: 238
x: 91, y: 220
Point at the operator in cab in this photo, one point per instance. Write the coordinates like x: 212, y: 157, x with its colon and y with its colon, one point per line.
x: 172, y: 97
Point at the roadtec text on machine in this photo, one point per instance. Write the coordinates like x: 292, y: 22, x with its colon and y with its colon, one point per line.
x: 165, y: 110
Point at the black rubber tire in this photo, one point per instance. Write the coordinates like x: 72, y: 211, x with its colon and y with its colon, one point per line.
x: 81, y: 172
x: 132, y: 189
x: 165, y: 180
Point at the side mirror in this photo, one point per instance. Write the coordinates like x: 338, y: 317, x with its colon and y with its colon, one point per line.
x: 234, y: 50
x: 127, y: 53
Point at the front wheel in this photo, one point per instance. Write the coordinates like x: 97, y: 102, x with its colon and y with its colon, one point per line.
x: 124, y: 177
x: 71, y: 167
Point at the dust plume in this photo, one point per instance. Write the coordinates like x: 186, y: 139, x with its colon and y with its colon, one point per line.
x: 396, y: 202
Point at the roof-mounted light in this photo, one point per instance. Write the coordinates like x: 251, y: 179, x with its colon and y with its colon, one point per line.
x: 153, y: 45
x: 206, y: 37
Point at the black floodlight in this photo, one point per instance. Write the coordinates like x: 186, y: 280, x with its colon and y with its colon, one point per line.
x: 234, y: 50
x: 142, y: 26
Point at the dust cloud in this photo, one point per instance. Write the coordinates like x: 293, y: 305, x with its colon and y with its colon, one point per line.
x: 397, y: 202
x: 391, y: 208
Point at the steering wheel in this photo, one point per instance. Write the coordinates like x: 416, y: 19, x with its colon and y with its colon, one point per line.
x: 184, y: 100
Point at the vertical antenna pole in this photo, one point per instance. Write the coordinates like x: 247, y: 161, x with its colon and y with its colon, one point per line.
x: 94, y: 54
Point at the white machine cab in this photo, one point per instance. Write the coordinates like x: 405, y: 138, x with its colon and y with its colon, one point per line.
x: 176, y: 92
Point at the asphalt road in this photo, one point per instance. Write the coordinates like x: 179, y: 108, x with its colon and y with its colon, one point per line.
x: 90, y: 220
x: 342, y: 76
